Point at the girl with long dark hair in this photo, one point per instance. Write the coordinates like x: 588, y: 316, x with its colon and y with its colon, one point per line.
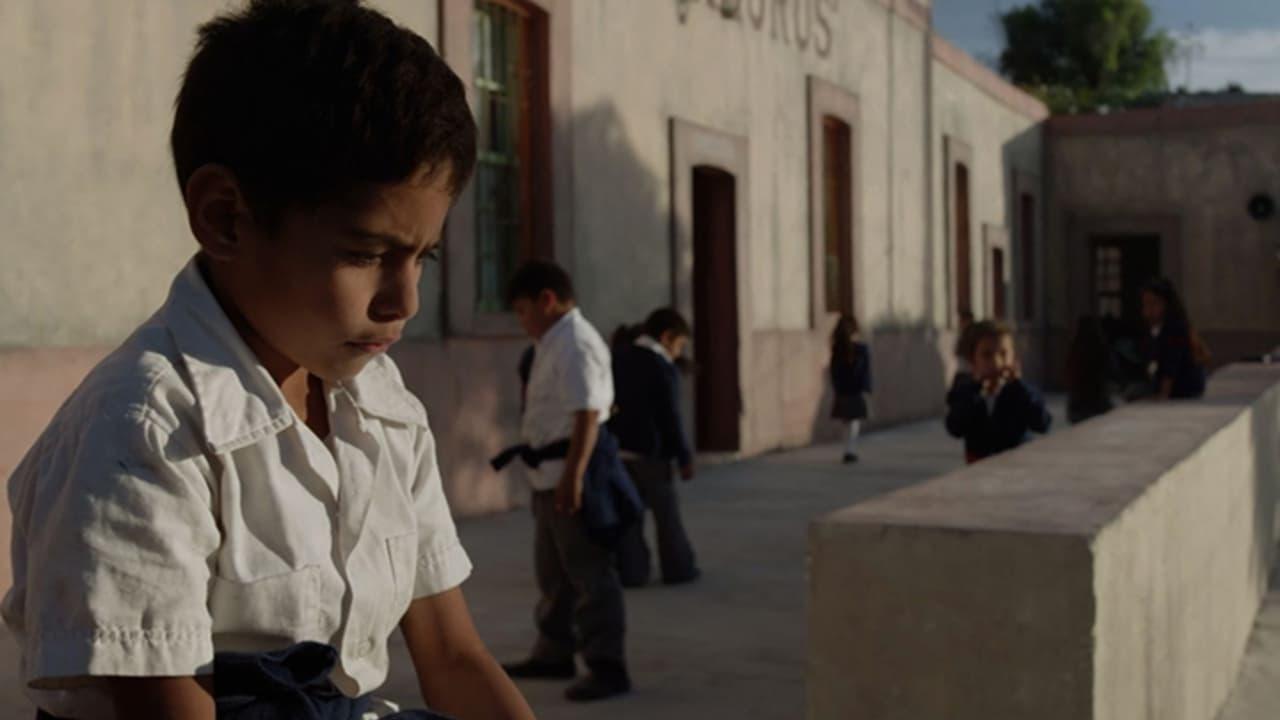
x: 1176, y: 356
x: 851, y: 380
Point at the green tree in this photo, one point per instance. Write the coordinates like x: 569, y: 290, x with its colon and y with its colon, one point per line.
x: 1080, y: 55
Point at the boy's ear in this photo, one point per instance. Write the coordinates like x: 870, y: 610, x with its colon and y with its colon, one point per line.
x: 214, y: 204
x: 547, y: 301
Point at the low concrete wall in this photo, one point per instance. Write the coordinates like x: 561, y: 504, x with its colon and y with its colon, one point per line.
x: 1111, y: 571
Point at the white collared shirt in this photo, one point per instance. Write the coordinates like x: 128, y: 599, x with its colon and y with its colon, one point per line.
x: 571, y: 371
x: 648, y: 343
x: 175, y: 506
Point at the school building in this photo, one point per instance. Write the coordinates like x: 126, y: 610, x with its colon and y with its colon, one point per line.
x: 762, y: 165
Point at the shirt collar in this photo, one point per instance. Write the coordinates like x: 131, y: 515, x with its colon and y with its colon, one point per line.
x: 559, y: 327
x: 238, y: 399
x: 379, y: 391
x: 648, y: 343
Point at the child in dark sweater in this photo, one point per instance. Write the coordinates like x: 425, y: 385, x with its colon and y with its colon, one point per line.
x: 851, y: 381
x: 994, y: 410
x: 651, y: 436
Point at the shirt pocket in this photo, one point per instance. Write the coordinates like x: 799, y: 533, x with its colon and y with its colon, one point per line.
x: 402, y: 555
x: 280, y: 605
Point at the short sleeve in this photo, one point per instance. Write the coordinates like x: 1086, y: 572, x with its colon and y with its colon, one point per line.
x: 118, y: 541
x: 587, y: 377
x: 442, y: 562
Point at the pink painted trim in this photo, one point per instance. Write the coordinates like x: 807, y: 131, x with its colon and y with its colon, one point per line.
x: 988, y: 81
x: 913, y: 11
x: 920, y: 16
x: 1169, y: 119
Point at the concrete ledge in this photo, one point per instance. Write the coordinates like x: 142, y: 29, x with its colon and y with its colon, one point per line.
x: 1111, y: 571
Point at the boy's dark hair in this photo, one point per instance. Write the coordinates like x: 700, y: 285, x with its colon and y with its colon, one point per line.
x: 660, y: 322
x: 307, y: 100
x: 842, y: 345
x: 1177, y: 317
x: 666, y: 320
x: 534, y: 276
x: 983, y: 330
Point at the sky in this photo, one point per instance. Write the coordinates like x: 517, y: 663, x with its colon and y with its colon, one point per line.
x: 1231, y: 40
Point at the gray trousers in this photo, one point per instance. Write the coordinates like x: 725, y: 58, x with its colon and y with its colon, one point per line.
x: 653, y: 478
x: 581, y: 606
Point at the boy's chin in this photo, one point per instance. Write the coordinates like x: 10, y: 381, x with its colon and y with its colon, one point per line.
x: 341, y: 371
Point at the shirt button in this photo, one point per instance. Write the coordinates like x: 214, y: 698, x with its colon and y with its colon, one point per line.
x: 364, y: 648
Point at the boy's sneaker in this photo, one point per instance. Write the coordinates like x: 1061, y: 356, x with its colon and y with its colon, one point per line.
x: 599, y: 686
x: 850, y: 458
x: 534, y: 669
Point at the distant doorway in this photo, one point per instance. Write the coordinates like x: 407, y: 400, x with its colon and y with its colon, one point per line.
x: 1121, y: 265
x: 964, y: 258
x: 718, y: 392
x: 999, y: 286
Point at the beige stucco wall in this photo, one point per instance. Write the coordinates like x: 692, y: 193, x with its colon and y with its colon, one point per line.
x: 1003, y: 141
x: 90, y: 195
x: 1192, y: 186
x: 726, y: 75
x: 1072, y: 578
x: 94, y: 224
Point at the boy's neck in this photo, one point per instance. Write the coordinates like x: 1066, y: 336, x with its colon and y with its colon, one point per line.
x: 557, y: 314
x: 288, y: 375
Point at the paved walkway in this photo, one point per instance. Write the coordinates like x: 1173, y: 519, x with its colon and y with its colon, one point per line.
x: 732, y: 645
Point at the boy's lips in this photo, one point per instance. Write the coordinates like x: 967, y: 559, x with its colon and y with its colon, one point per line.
x: 374, y: 345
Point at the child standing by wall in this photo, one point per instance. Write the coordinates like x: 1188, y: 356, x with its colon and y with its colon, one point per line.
x: 652, y: 437
x: 1175, y: 354
x: 1089, y: 372
x: 994, y: 410
x: 851, y: 380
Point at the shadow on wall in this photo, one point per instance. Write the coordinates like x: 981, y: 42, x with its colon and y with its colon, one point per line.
x: 621, y: 261
x: 1023, y: 154
x: 621, y: 224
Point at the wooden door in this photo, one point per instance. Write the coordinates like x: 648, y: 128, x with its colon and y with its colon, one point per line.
x: 718, y: 393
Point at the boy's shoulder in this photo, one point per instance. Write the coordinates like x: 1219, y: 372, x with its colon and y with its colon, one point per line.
x: 133, y: 403
x: 141, y: 380
x: 585, y: 335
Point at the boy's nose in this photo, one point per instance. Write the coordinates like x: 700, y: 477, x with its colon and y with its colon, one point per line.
x: 398, y: 297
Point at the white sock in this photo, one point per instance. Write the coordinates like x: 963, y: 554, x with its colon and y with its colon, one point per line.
x: 851, y: 443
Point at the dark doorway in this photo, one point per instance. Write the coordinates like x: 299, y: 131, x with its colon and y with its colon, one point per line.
x: 718, y: 395
x: 998, y: 287
x: 1121, y: 264
x: 1027, y: 238
x: 964, y: 257
x: 837, y: 188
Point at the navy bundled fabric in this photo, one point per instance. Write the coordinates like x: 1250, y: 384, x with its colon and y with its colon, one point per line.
x: 1019, y: 410
x: 610, y: 502
x: 1173, y: 358
x: 648, y: 397
x: 288, y: 684
x: 851, y: 380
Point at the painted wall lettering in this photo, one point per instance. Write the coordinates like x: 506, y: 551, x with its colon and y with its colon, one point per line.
x: 809, y: 21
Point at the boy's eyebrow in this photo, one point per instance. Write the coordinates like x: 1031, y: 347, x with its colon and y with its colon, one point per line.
x: 385, y: 238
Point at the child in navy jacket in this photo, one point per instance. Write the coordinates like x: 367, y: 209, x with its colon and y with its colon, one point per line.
x: 651, y: 435
x: 994, y: 410
x: 851, y: 381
